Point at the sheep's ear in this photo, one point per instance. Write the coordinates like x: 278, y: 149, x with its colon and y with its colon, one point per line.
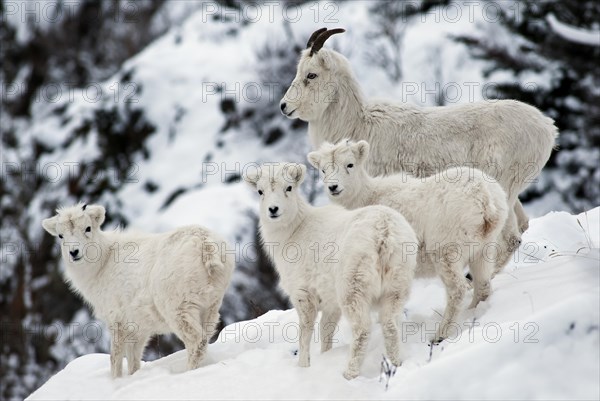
x: 314, y: 158
x: 295, y: 172
x: 360, y: 150
x: 326, y: 60
x: 252, y: 177
x: 50, y: 225
x: 97, y: 213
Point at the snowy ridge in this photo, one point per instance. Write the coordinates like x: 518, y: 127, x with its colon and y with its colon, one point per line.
x: 537, y: 337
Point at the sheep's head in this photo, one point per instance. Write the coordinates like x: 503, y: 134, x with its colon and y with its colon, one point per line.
x: 77, y: 228
x: 314, y: 86
x: 343, y: 166
x: 277, y: 185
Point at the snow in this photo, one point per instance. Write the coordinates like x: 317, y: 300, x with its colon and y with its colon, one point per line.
x: 537, y: 337
x: 174, y: 75
x: 574, y: 34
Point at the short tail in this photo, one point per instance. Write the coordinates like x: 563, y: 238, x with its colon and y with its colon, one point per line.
x: 215, y: 262
x: 386, y: 242
x: 491, y: 213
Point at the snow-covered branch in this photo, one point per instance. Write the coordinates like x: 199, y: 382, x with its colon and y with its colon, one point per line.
x: 574, y: 34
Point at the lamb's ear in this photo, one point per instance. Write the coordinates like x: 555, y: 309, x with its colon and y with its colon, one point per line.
x: 252, y: 176
x: 360, y: 150
x: 50, y: 225
x: 314, y: 158
x: 295, y: 172
x: 97, y: 213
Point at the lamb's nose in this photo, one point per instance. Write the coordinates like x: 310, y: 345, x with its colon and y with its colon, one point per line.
x: 332, y: 187
x: 74, y: 253
x: 283, y: 105
x: 273, y: 210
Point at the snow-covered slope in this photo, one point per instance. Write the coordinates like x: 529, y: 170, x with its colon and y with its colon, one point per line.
x: 537, y: 337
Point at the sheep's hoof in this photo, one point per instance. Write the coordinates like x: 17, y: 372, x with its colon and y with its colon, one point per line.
x: 350, y: 374
x: 304, y: 364
x: 513, y: 243
x: 325, y: 348
x: 436, y: 340
x: 397, y: 362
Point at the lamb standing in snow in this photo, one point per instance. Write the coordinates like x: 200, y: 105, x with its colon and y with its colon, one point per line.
x: 457, y: 215
x: 144, y: 284
x: 369, y: 258
x: 509, y: 140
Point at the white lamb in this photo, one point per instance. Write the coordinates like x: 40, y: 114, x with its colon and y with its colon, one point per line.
x: 456, y: 214
x: 144, y: 284
x: 509, y: 140
x: 335, y: 260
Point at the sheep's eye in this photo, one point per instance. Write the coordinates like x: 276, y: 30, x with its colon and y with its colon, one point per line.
x: 350, y: 165
x: 60, y: 236
x: 89, y: 229
x: 260, y: 192
x: 323, y: 171
x: 288, y: 189
x: 311, y: 75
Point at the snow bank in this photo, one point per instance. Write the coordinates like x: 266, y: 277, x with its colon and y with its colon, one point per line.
x: 537, y: 337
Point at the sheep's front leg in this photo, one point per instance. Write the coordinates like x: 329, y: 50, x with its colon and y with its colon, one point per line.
x: 327, y: 327
x: 522, y: 219
x: 508, y: 241
x: 134, y: 351
x: 307, y: 313
x: 117, y: 349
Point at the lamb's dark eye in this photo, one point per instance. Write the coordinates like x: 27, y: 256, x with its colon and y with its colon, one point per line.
x: 60, y: 236
x: 260, y: 192
x: 288, y: 189
x: 350, y: 165
x: 323, y: 171
x: 311, y: 75
x: 89, y: 229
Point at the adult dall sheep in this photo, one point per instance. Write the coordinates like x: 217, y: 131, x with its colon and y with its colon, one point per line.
x: 457, y: 216
x: 509, y: 140
x: 335, y: 260
x: 144, y: 284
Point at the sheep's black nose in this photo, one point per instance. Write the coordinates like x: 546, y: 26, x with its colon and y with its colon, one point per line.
x: 74, y: 253
x: 273, y: 210
x: 283, y: 106
x: 332, y: 187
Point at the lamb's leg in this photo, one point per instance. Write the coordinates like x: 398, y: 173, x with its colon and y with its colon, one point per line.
x: 456, y: 287
x: 327, y: 327
x: 307, y: 313
x: 507, y: 242
x: 189, y: 329
x: 522, y: 219
x: 117, y: 349
x: 134, y: 351
x: 211, y: 320
x: 357, y: 312
x: 481, y: 270
x: 392, y: 305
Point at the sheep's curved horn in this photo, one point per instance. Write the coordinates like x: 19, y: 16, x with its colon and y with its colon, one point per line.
x: 319, y: 41
x: 314, y: 35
